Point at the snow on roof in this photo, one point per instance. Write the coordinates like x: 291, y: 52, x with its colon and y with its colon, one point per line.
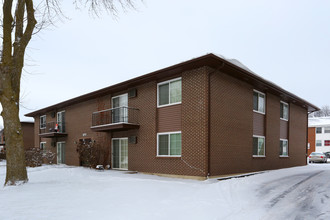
x: 318, y: 121
x: 235, y: 62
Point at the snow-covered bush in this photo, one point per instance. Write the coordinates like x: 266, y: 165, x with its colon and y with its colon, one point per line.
x: 91, y: 153
x: 36, y: 157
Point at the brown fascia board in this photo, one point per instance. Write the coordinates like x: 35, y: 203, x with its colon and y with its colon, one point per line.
x: 210, y: 60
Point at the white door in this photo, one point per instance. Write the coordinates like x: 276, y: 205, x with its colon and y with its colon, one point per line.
x: 119, y: 106
x: 120, y: 153
x: 60, y: 152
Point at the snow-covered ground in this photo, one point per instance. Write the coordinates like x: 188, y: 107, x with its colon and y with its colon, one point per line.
x: 63, y: 192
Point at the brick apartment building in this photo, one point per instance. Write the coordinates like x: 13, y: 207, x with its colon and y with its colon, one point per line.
x: 318, y: 134
x: 28, y: 136
x: 208, y: 116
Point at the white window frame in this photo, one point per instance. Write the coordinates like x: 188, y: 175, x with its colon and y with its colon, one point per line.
x: 169, y: 142
x: 263, y: 137
x: 316, y: 130
x: 44, y: 125
x: 327, y: 128
x: 169, y: 90
x: 287, y: 104
x: 258, y: 102
x: 320, y: 141
x: 287, y: 145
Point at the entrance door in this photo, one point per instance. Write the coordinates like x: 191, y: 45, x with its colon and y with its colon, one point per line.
x: 119, y: 106
x: 61, y: 121
x: 120, y: 153
x: 60, y: 152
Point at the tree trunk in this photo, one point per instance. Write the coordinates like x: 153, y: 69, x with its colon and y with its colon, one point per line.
x: 11, y: 65
x: 15, y: 154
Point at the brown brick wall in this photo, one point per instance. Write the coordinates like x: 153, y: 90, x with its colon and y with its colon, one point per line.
x: 169, y: 118
x: 311, y: 140
x: 272, y: 159
x: 143, y: 155
x: 28, y: 135
x: 232, y: 129
x: 284, y: 129
x: 231, y: 125
x: 297, y: 136
x: 258, y: 124
x: 78, y: 120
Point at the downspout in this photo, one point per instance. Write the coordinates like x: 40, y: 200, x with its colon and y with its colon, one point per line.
x: 209, y: 119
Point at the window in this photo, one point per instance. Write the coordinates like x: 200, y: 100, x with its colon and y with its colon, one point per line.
x: 43, y: 122
x: 327, y: 130
x: 318, y: 143
x: 259, y: 102
x: 42, y: 146
x: 319, y: 130
x: 327, y: 143
x: 258, y: 146
x: 169, y: 144
x: 169, y: 92
x: 283, y: 148
x: 284, y: 112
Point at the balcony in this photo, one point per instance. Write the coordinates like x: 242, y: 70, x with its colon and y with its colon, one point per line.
x: 121, y: 118
x: 52, y: 129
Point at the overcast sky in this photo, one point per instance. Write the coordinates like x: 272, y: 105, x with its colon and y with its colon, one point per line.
x: 286, y: 42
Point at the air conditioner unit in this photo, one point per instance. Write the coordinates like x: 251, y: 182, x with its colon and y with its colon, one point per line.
x: 132, y: 93
x: 132, y: 139
x: 53, y: 114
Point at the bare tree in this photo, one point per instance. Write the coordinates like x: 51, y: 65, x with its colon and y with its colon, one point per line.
x: 323, y: 112
x: 20, y: 20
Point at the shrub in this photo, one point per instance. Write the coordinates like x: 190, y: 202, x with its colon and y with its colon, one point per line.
x: 36, y: 157
x: 90, y: 153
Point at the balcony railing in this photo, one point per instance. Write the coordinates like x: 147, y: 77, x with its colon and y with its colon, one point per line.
x: 52, y: 129
x: 115, y: 119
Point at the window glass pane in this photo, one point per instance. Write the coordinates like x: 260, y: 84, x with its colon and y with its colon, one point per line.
x: 255, y: 101
x: 175, y: 145
x: 286, y: 112
x: 319, y: 130
x: 327, y: 143
x: 255, y: 146
x: 175, y: 92
x: 319, y: 143
x: 281, y: 110
x: 163, y: 145
x: 115, y: 153
x: 163, y: 96
x: 284, y: 148
x: 261, y: 147
x: 261, y: 102
x: 327, y: 130
x: 123, y: 153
